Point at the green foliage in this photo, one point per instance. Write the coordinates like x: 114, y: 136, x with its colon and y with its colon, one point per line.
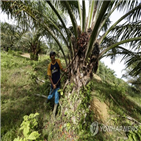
x: 8, y: 63
x: 61, y: 91
x: 9, y: 60
x: 28, y: 128
x: 87, y: 116
x: 106, y: 74
x: 135, y: 135
x: 17, y: 93
x: 8, y: 134
x: 10, y: 34
x: 45, y: 88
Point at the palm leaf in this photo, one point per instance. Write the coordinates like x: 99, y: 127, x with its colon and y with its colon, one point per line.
x: 73, y: 20
x: 118, y: 43
x: 130, y: 13
x: 84, y: 16
x: 127, y: 5
x: 96, y: 27
x: 90, y: 16
x: 56, y: 12
x: 134, y: 59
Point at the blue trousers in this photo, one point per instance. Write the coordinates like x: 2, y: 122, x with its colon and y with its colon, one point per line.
x: 54, y: 93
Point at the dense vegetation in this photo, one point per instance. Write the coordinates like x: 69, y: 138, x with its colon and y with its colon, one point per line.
x: 19, y: 85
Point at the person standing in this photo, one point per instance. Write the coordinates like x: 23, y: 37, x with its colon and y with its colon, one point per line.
x: 53, y: 72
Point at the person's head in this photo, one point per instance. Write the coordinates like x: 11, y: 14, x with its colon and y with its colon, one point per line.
x: 52, y: 55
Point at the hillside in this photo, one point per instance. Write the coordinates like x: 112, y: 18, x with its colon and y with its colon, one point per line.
x: 114, y: 105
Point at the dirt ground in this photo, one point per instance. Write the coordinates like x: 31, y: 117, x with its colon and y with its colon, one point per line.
x: 100, y: 109
x: 27, y: 55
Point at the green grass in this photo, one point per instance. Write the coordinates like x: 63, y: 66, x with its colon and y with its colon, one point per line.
x: 119, y: 97
x: 17, y: 93
x: 121, y: 103
x: 18, y: 87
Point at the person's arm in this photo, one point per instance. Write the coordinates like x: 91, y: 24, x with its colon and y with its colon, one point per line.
x: 64, y: 70
x: 60, y: 65
x: 54, y: 86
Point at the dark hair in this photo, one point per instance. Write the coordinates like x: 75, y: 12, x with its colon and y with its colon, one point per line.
x: 52, y: 53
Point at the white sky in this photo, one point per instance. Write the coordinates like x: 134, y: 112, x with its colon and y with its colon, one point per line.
x: 117, y: 66
x: 4, y: 18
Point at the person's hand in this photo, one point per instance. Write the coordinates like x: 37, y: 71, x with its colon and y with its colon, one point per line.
x: 54, y: 86
x: 65, y: 70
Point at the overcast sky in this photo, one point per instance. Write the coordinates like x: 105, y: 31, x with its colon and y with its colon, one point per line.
x: 117, y: 66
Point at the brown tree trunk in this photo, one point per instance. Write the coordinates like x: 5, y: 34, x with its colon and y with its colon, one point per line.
x: 74, y: 96
x: 34, y: 52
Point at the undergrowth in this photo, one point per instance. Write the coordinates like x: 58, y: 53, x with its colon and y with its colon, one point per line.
x: 18, y: 88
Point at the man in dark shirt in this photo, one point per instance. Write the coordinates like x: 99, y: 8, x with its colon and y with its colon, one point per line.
x: 53, y: 71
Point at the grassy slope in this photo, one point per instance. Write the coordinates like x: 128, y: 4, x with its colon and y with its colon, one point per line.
x: 18, y: 87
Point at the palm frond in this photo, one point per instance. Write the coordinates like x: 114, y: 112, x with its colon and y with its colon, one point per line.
x: 57, y: 41
x: 130, y: 13
x: 60, y: 18
x: 128, y: 30
x: 127, y: 5
x: 90, y: 16
x: 105, y: 24
x: 106, y: 21
x: 72, y: 17
x: 117, y: 44
x: 134, y: 59
x: 73, y: 4
x: 80, y: 13
x: 84, y: 16
x: 96, y: 27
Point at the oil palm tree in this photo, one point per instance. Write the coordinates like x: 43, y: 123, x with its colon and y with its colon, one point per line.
x: 32, y: 41
x: 10, y: 34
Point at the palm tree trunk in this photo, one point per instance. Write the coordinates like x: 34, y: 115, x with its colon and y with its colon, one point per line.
x: 34, y: 52
x: 81, y: 72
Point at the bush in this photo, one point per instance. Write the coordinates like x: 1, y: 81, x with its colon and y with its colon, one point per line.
x: 28, y: 128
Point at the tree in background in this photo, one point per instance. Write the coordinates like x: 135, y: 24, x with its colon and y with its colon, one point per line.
x: 15, y: 38
x: 10, y: 34
x: 32, y: 41
x: 133, y: 69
